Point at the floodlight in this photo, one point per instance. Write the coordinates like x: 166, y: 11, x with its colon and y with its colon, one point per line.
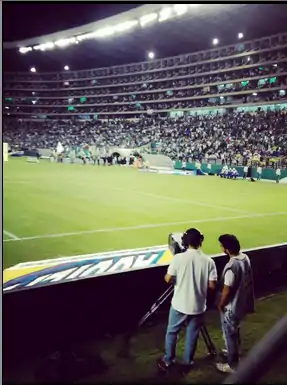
x: 254, y: 94
x: 148, y: 19
x: 165, y: 14
x: 240, y: 35
x: 180, y: 9
x: 33, y: 69
x: 25, y: 49
x: 66, y: 68
x: 151, y: 55
x: 215, y: 41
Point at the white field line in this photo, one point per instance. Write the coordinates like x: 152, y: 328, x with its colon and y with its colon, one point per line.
x: 12, y: 236
x: 146, y: 226
x: 189, y: 201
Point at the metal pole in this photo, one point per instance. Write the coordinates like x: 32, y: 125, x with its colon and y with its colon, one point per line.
x: 261, y: 357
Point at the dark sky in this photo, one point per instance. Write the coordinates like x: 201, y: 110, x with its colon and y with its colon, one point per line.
x: 26, y: 20
x: 190, y: 33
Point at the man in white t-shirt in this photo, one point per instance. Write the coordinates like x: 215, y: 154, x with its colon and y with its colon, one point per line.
x: 209, y: 168
x: 183, y: 165
x: 193, y: 273
x: 245, y: 172
x: 259, y: 172
x: 278, y: 174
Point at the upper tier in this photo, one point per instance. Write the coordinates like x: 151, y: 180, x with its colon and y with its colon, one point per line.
x: 239, y: 50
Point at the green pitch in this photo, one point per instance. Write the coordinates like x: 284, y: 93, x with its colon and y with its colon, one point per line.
x: 53, y: 210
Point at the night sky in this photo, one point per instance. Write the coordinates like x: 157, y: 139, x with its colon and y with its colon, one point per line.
x: 23, y: 21
x: 189, y: 33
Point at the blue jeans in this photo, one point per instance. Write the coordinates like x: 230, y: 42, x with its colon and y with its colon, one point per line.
x: 230, y: 328
x: 176, y: 322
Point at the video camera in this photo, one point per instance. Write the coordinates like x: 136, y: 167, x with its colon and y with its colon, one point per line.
x: 179, y: 242
x: 175, y: 243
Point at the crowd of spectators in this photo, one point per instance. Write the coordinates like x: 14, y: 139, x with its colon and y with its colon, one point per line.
x: 234, y: 137
x: 220, y: 67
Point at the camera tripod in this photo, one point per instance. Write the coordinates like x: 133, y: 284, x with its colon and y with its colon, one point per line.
x: 203, y: 330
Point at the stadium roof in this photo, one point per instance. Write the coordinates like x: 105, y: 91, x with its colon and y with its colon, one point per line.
x: 190, y: 32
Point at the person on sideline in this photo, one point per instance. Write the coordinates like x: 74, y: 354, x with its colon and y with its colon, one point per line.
x: 259, y: 172
x: 245, y: 172
x: 236, y: 298
x: 278, y: 174
x: 192, y: 273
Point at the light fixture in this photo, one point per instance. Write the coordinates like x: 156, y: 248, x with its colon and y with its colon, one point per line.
x: 148, y: 19
x: 66, y: 68
x: 180, y: 9
x: 215, y: 41
x: 248, y: 59
x: 33, y: 69
x: 254, y: 94
x: 240, y: 35
x: 165, y: 14
x: 151, y: 55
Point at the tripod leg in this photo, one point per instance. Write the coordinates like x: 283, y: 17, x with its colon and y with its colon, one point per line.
x: 207, y: 340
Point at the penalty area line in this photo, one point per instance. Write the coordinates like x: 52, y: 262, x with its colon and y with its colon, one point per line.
x: 146, y: 226
x: 11, y: 236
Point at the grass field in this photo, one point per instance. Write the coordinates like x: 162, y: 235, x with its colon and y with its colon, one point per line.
x: 53, y: 210
x: 148, y: 345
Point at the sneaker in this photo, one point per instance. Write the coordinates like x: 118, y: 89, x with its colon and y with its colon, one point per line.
x: 186, y: 368
x: 162, y: 365
x: 224, y: 368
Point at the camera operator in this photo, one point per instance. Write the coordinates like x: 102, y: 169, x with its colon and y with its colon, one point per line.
x: 236, y: 299
x: 192, y: 273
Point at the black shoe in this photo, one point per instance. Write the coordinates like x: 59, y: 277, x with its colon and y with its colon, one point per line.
x: 186, y: 368
x: 162, y: 365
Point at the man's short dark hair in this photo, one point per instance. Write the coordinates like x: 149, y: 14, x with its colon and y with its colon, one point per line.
x: 192, y: 237
x: 230, y: 243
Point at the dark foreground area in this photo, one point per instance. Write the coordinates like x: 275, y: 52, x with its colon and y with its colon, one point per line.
x: 111, y: 360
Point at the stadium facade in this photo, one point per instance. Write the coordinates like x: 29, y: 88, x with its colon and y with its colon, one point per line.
x: 245, y: 75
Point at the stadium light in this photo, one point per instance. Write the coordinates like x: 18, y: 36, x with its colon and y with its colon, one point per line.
x: 126, y: 26
x: 180, y: 9
x: 240, y: 35
x: 144, y: 20
x: 274, y: 65
x: 248, y: 59
x: 254, y: 94
x: 165, y: 14
x: 25, y: 49
x: 215, y: 41
x: 65, y: 42
x: 151, y: 55
x: 66, y: 68
x: 33, y: 69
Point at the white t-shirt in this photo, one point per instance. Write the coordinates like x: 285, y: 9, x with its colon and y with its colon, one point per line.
x: 192, y: 271
x: 259, y: 170
x: 184, y: 164
x: 278, y: 171
x: 245, y: 169
x: 209, y: 166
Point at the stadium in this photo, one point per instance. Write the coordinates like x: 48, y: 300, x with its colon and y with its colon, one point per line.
x: 146, y: 122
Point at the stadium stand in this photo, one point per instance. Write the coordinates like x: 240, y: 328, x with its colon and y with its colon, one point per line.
x: 228, y: 102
